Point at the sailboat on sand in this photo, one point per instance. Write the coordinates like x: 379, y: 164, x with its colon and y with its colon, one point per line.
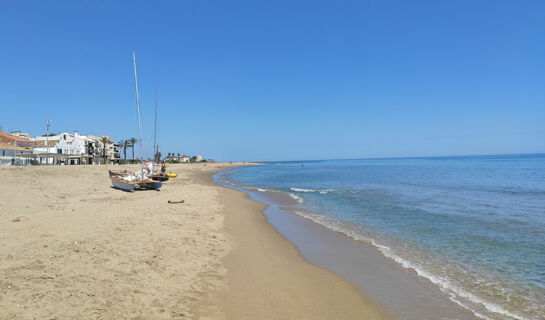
x: 156, y: 176
x: 129, y: 181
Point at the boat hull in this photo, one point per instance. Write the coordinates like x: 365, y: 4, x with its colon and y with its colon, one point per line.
x: 150, y: 184
x: 121, y: 184
x: 159, y: 177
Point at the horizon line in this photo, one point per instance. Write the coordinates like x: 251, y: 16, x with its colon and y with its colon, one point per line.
x: 408, y: 157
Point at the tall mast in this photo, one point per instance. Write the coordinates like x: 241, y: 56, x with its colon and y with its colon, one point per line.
x: 138, y: 112
x: 155, y: 130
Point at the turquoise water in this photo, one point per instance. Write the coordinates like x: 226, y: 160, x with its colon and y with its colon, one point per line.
x: 474, y: 226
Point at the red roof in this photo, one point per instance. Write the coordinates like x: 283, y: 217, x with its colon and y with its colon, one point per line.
x: 6, y: 137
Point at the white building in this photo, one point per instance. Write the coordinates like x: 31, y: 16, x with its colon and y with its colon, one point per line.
x: 68, y: 148
x: 60, y: 149
x: 20, y: 134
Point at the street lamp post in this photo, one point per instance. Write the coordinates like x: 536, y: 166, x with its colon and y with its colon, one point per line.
x: 47, y: 125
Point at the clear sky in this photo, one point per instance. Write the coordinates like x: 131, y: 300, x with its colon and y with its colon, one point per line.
x: 282, y: 80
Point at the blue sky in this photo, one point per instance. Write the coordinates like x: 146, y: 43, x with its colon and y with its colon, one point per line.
x: 282, y: 80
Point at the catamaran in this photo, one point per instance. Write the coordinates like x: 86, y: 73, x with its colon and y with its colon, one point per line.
x: 153, y: 175
x: 130, y: 181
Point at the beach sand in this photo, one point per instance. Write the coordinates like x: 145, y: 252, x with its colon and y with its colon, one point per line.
x: 73, y: 247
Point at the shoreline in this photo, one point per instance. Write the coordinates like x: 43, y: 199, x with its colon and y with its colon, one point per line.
x: 267, y: 278
x: 399, y: 291
x: 77, y: 248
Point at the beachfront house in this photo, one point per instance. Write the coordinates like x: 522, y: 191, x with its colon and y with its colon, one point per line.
x: 59, y: 149
x: 88, y: 148
x: 176, y: 158
x: 14, y: 150
x: 21, y: 142
x: 12, y: 154
x: 73, y: 149
x: 111, y: 152
x: 65, y: 149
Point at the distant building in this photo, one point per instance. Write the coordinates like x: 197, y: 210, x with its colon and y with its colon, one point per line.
x: 59, y: 149
x: 112, y: 150
x: 65, y: 148
x: 20, y: 134
x: 199, y: 158
x: 172, y: 158
x: 177, y: 158
x: 14, y: 150
x: 11, y: 154
x: 68, y: 148
x: 21, y: 142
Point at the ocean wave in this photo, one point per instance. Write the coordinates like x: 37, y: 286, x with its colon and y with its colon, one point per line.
x: 455, y: 292
x: 303, y: 190
x: 325, y: 191
x: 296, y: 197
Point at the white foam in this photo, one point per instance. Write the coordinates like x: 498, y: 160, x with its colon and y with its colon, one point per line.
x: 312, y: 190
x: 296, y: 197
x: 445, y: 285
x: 302, y: 190
x: 262, y: 190
x: 327, y: 191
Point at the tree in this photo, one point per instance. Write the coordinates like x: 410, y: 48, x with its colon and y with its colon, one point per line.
x: 104, y: 141
x: 157, y: 157
x: 193, y: 159
x: 124, y: 144
x: 133, y: 142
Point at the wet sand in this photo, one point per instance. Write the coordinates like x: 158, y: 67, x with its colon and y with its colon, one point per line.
x: 401, y: 292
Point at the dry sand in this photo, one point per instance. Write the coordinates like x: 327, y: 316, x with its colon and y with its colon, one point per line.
x: 75, y: 248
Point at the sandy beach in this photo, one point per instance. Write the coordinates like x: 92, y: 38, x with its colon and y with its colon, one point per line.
x: 73, y: 247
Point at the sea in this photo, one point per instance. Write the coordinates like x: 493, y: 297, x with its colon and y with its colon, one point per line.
x: 474, y: 226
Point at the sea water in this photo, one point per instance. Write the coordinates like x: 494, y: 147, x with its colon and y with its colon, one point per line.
x: 474, y: 226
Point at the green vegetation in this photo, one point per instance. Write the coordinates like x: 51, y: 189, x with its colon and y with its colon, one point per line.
x: 133, y: 141
x: 125, y: 144
x: 104, y: 141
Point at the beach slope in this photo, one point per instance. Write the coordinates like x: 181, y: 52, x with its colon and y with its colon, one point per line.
x: 74, y: 247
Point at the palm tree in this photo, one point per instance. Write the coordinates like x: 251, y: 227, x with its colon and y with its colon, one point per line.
x: 104, y: 141
x: 124, y: 144
x: 133, y: 142
x: 121, y: 143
